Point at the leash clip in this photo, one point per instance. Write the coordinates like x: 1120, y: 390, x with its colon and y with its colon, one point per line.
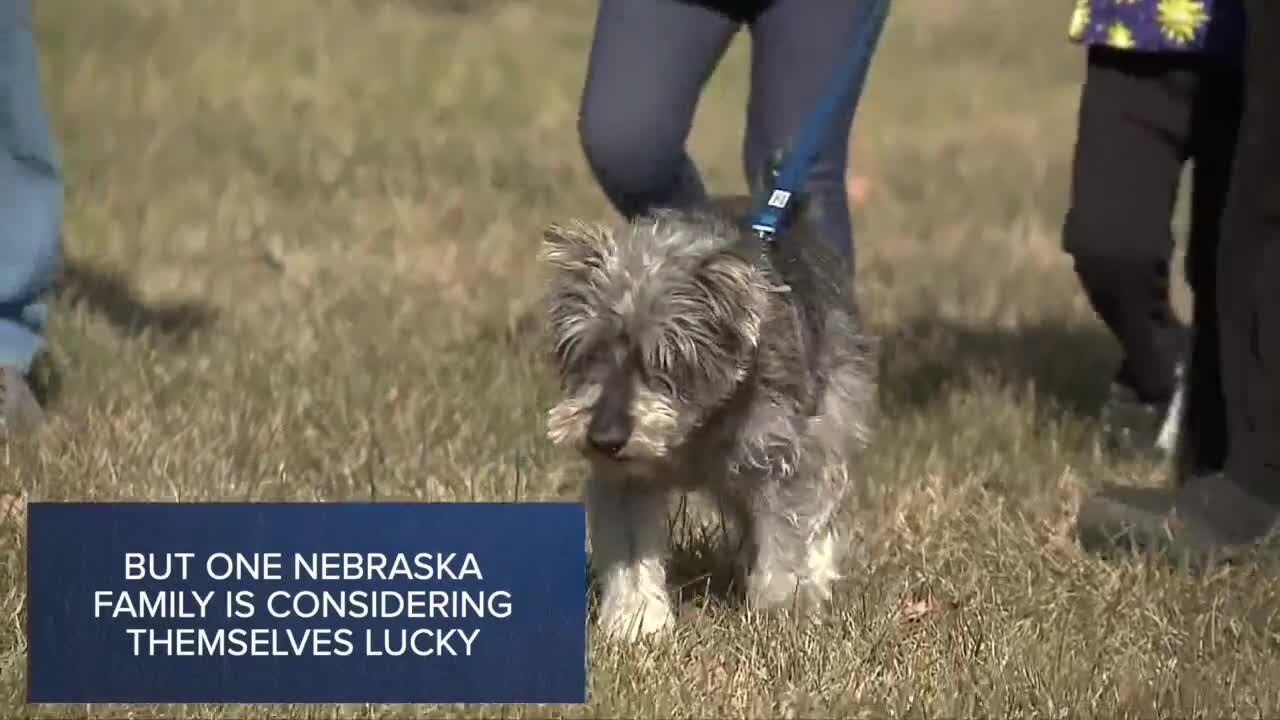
x: 767, y: 221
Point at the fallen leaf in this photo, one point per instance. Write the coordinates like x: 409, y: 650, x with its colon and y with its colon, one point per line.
x: 13, y: 508
x: 916, y: 610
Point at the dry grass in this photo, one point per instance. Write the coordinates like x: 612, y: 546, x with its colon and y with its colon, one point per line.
x: 301, y: 235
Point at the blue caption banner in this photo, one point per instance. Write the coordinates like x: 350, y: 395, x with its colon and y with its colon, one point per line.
x: 306, y: 603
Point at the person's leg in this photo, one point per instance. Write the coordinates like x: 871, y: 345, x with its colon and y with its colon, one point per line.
x: 1212, y: 518
x: 649, y: 61
x: 30, y: 212
x: 796, y: 47
x: 1132, y: 142
x: 1249, y: 269
x: 1214, y: 125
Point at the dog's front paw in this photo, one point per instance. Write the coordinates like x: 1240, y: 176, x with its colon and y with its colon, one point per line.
x: 631, y: 621
x: 803, y: 587
x: 787, y: 591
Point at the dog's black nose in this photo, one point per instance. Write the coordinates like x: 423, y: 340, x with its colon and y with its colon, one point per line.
x: 610, y: 426
x: 608, y: 437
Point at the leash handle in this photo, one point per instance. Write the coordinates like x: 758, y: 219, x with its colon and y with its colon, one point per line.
x: 846, y: 86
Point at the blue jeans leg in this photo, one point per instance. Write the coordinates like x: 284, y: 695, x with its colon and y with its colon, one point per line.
x: 30, y: 192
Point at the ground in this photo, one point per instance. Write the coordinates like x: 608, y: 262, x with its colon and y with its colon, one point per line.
x: 300, y: 238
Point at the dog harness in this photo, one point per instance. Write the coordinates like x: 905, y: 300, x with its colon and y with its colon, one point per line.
x: 772, y: 207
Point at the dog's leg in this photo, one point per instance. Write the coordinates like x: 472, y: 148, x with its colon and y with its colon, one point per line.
x: 736, y: 511
x: 629, y: 539
x: 796, y: 543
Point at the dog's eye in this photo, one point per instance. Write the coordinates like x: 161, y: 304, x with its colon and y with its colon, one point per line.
x: 659, y: 377
x: 664, y: 385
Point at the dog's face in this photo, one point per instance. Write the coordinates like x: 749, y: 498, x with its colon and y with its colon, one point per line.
x: 653, y: 326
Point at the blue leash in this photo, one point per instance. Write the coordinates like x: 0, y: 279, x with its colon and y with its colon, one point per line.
x: 846, y: 86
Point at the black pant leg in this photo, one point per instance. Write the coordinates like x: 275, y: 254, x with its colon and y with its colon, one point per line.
x: 1214, y: 129
x: 1249, y: 267
x: 1134, y: 126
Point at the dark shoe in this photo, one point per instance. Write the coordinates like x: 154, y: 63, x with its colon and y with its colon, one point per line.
x: 1136, y: 422
x: 1133, y: 425
x: 19, y: 411
x: 1206, y: 521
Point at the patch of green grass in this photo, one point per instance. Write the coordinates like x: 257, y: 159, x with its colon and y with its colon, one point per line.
x: 301, y: 237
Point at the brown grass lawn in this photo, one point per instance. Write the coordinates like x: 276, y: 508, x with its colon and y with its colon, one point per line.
x: 300, y: 237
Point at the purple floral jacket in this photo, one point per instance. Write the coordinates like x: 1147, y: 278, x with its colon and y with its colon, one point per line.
x: 1204, y: 26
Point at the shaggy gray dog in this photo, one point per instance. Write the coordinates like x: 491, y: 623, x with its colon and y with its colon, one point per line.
x: 694, y: 358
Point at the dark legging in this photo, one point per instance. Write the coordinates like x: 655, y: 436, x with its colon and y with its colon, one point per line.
x: 649, y: 62
x: 1249, y: 268
x: 1142, y: 116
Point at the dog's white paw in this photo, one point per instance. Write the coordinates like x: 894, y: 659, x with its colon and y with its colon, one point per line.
x: 631, y: 621
x: 787, y: 591
x: 805, y: 589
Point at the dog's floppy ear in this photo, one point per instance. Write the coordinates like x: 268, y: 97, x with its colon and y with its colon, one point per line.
x: 576, y: 246
x: 737, y: 290
x: 729, y: 273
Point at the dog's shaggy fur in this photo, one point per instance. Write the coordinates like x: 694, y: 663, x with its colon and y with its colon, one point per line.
x: 693, y: 358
